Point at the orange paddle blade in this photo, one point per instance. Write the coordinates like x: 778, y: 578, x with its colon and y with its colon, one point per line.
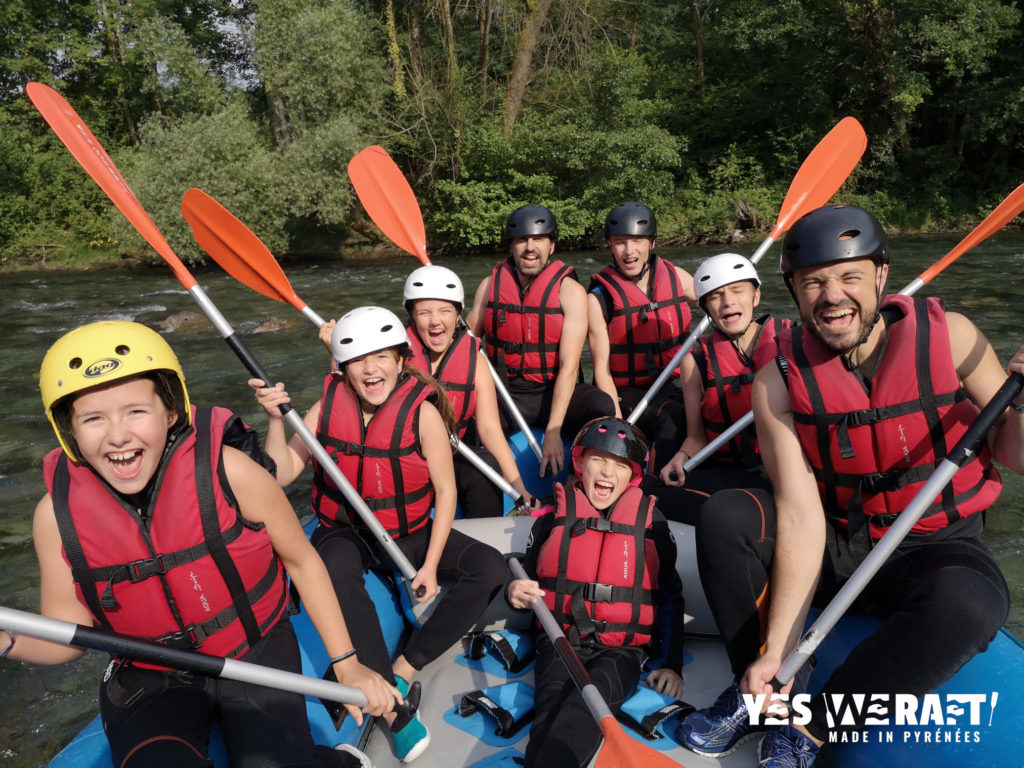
x: 389, y: 200
x: 236, y: 248
x: 821, y: 175
x: 620, y: 751
x: 1004, y: 213
x: 89, y: 153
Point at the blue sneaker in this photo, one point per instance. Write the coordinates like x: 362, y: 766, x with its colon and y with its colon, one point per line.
x: 786, y: 748
x: 719, y: 729
x: 411, y: 736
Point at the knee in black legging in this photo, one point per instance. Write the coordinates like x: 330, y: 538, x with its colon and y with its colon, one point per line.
x: 165, y: 752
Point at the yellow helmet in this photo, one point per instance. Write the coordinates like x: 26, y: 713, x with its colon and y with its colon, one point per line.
x: 101, y: 353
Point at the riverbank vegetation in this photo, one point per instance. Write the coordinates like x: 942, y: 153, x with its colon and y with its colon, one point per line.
x: 703, y: 110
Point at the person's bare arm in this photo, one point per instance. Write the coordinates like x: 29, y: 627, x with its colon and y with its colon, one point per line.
x: 693, y: 392
x: 570, y: 348
x: 686, y: 279
x: 437, y: 450
x: 488, y: 428
x: 291, y: 456
x: 981, y: 375
x: 600, y: 350
x: 800, y: 532
x: 475, y: 316
x: 261, y: 500
x: 57, y: 596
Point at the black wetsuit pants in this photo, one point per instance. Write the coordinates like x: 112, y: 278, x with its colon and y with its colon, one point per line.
x: 663, y: 421
x: 478, y: 496
x: 534, y: 403
x: 474, y: 571
x: 941, y: 601
x: 162, y: 719
x: 564, y: 733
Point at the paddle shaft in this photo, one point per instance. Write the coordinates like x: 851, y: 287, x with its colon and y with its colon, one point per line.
x: 67, y: 633
x: 580, y: 677
x: 389, y: 200
x: 1002, y: 214
x: 295, y: 421
x: 84, y: 147
x: 819, y: 177
x: 485, y: 469
x: 962, y: 452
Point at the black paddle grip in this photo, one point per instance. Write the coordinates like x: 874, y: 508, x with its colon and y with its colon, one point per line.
x: 253, y: 365
x: 968, y: 444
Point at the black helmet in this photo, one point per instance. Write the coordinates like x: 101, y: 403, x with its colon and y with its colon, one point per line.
x: 632, y: 219
x: 530, y: 220
x: 616, y: 436
x: 833, y: 233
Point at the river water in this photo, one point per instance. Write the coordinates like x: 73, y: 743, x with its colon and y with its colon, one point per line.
x: 42, y: 708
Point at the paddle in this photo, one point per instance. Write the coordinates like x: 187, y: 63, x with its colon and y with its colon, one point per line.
x: 618, y: 749
x: 819, y: 177
x: 124, y: 646
x: 390, y: 201
x: 962, y: 452
x: 80, y: 141
x: 1001, y: 215
x: 244, y: 256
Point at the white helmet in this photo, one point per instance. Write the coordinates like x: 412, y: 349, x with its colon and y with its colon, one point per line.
x: 723, y: 269
x: 364, y: 330
x: 434, y: 282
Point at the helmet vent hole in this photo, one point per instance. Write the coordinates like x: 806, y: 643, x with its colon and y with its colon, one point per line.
x: 122, y: 349
x: 386, y: 328
x: 75, y: 364
x: 418, y: 284
x: 450, y: 286
x: 346, y: 340
x: 738, y: 266
x: 849, y: 234
x: 621, y: 433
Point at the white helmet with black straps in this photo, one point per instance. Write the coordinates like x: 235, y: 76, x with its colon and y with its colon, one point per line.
x: 364, y: 330
x: 434, y: 282
x: 721, y: 270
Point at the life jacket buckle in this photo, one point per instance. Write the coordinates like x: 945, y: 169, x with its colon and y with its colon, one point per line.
x: 597, y: 593
x: 143, y: 569
x: 187, y: 638
x: 602, y: 524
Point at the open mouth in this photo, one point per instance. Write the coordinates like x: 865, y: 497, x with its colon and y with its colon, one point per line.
x: 374, y: 385
x: 603, y: 490
x: 125, y: 464
x: 838, y: 320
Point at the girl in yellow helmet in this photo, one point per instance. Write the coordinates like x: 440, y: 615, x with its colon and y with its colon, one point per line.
x: 156, y: 527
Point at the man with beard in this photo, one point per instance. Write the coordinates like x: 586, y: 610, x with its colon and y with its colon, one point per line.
x: 532, y: 312
x: 866, y: 397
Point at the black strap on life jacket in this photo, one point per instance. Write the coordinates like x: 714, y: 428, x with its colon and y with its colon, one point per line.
x: 215, y: 544
x: 464, y: 383
x: 211, y: 529
x: 928, y: 403
x: 393, y: 453
x: 643, y: 314
x: 499, y: 310
x: 581, y: 624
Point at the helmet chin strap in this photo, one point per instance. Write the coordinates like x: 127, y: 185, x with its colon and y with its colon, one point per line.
x: 638, y: 278
x: 848, y: 356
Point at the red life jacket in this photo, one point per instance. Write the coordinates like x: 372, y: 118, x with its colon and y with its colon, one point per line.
x: 381, y: 459
x: 728, y: 376
x: 456, y: 371
x: 524, y: 327
x: 188, y: 573
x: 600, y: 579
x: 871, y: 453
x: 644, y: 331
